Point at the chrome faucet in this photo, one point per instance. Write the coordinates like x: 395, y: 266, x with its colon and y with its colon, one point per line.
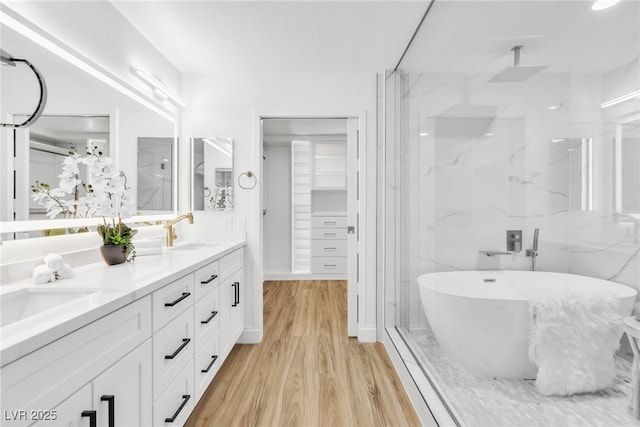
x: 533, y: 252
x: 171, y: 233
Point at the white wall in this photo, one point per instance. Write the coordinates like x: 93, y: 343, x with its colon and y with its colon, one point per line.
x: 277, y: 221
x: 232, y: 104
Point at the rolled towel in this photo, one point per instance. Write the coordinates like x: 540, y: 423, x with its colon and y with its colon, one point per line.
x: 54, y: 261
x: 157, y: 250
x: 149, y: 243
x: 43, y: 274
x: 65, y: 272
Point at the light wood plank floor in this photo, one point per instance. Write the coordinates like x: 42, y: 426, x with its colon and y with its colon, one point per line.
x: 306, y: 371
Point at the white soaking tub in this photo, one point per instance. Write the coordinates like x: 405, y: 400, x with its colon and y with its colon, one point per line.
x: 482, y: 320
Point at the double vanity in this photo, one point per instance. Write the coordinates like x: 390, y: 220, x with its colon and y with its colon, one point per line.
x: 133, y: 344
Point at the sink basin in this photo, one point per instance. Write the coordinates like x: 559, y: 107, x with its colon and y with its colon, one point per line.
x: 192, y: 246
x: 15, y: 306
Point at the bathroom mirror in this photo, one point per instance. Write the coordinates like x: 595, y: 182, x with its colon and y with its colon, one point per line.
x: 212, y: 174
x: 83, y: 108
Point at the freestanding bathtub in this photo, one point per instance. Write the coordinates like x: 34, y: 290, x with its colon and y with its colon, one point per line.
x: 481, y: 319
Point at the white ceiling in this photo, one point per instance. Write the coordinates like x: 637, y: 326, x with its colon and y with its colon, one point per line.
x: 277, y: 36
x: 370, y: 36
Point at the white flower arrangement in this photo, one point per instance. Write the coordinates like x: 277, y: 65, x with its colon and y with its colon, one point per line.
x: 104, y: 192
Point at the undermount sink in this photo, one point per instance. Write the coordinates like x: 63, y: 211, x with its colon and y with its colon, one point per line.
x: 192, y: 246
x: 24, y: 303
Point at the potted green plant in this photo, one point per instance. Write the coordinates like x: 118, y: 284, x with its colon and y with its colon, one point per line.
x: 116, y: 242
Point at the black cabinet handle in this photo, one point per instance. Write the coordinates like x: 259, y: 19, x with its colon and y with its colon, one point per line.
x: 112, y: 408
x: 92, y: 417
x: 213, y: 314
x: 235, y: 294
x: 185, y: 341
x: 213, y: 360
x: 213, y: 277
x: 185, y: 398
x: 172, y: 303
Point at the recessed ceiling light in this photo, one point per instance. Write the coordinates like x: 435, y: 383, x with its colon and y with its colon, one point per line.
x: 603, y: 4
x: 424, y: 134
x: 556, y: 140
x: 489, y: 134
x: 553, y: 107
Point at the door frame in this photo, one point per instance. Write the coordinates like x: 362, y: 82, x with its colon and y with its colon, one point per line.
x: 355, y: 290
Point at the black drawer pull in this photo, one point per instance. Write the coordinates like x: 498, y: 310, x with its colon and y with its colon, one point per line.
x: 112, y: 408
x: 213, y: 360
x: 92, y: 417
x: 329, y: 234
x: 172, y: 303
x: 185, y: 398
x: 213, y: 277
x: 330, y: 266
x: 185, y: 341
x: 330, y: 249
x: 213, y: 314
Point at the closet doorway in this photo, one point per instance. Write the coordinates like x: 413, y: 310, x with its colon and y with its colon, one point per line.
x: 310, y: 202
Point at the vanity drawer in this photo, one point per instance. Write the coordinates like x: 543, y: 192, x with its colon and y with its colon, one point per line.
x: 206, y: 279
x: 172, y: 300
x: 331, y: 248
x: 329, y: 265
x: 172, y: 350
x: 177, y: 401
x: 329, y: 233
x: 328, y: 221
x: 207, y: 363
x: 43, y: 378
x: 231, y: 263
x: 207, y: 317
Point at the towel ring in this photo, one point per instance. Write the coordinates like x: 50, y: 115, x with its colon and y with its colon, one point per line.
x: 248, y: 185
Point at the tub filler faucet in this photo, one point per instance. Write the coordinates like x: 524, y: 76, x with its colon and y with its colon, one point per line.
x: 533, y: 252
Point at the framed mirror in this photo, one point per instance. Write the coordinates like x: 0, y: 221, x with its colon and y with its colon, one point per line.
x: 213, y: 186
x: 86, y: 109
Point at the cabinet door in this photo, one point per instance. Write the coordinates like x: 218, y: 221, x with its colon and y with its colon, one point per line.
x: 226, y: 299
x: 237, y: 307
x: 68, y: 413
x: 124, y: 390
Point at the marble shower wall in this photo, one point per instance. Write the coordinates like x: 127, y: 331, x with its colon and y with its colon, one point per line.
x: 473, y: 159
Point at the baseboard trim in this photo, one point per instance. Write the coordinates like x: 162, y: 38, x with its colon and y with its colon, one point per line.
x: 367, y: 334
x: 251, y: 336
x: 302, y: 276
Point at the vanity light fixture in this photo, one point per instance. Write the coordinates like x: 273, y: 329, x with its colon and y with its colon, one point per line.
x: 603, y: 4
x: 618, y: 100
x: 159, y: 89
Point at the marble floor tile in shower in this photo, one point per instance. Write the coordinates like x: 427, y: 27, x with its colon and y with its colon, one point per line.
x: 499, y: 402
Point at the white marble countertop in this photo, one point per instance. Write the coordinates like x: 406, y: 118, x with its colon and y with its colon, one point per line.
x: 117, y: 286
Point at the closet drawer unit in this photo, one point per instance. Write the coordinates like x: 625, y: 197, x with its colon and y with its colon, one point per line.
x: 206, y: 279
x: 231, y: 263
x: 172, y: 350
x: 328, y: 221
x: 329, y: 233
x: 170, y: 301
x: 207, y: 317
x: 329, y: 265
x: 207, y: 363
x: 176, y: 403
x: 332, y: 248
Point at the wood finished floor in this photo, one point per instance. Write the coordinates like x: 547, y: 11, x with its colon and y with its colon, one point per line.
x: 306, y: 371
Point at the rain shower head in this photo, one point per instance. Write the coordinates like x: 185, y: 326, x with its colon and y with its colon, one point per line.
x: 517, y: 73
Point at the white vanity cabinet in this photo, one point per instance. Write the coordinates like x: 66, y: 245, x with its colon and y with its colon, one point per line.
x: 80, y: 371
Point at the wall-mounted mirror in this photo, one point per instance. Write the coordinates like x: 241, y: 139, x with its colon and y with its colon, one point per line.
x: 83, y: 111
x: 626, y: 161
x: 212, y: 174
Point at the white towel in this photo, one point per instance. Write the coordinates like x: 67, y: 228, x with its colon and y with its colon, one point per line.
x: 65, y: 272
x: 148, y: 251
x: 149, y: 243
x: 43, y: 274
x: 54, y: 261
